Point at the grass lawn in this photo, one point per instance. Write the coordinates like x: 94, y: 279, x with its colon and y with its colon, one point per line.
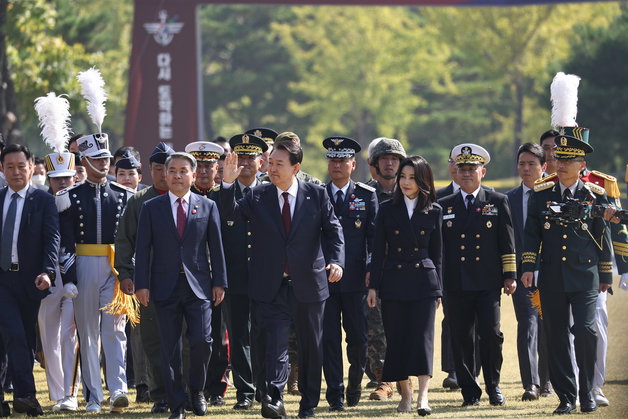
x: 445, y: 404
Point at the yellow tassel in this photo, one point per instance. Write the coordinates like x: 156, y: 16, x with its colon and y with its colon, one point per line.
x: 124, y: 304
x: 535, y: 299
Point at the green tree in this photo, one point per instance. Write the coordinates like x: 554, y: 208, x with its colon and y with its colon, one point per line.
x: 358, y: 69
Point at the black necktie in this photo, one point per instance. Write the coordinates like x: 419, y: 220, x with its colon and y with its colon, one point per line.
x: 246, y: 190
x: 339, y: 198
x: 566, y: 194
x: 469, y: 199
x: 7, y: 234
x: 285, y: 216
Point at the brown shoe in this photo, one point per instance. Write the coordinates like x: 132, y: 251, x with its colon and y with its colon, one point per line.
x: 531, y: 393
x: 293, y: 380
x: 399, y: 386
x: 384, y: 391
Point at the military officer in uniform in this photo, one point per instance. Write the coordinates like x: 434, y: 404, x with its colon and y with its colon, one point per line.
x: 207, y: 154
x: 355, y: 205
x: 269, y: 136
x: 479, y: 260
x: 575, y: 265
x: 237, y: 307
x: 89, y: 215
x: 386, y: 155
x: 125, y: 265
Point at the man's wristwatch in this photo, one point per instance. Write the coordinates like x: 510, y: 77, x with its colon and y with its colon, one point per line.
x: 52, y: 275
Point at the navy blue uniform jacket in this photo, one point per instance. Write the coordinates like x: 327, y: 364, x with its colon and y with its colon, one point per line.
x: 314, y: 227
x: 38, y: 238
x: 408, y: 252
x: 200, y: 245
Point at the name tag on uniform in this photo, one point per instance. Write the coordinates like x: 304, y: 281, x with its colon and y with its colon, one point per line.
x: 449, y: 216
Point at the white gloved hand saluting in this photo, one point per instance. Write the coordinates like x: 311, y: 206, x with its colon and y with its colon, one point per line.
x: 70, y: 290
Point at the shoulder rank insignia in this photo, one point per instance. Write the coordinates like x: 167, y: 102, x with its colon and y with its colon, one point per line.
x: 553, y: 177
x: 62, y: 198
x: 598, y: 190
x: 121, y: 186
x: 543, y: 186
x: 216, y: 187
x: 365, y: 186
x: 609, y: 183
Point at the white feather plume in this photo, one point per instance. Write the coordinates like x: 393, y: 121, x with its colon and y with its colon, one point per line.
x: 54, y: 119
x: 93, y: 90
x: 564, y: 93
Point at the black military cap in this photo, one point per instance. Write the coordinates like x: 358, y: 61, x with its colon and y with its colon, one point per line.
x: 248, y: 144
x: 160, y: 153
x: 568, y: 147
x: 266, y: 134
x: 341, y: 147
x: 127, y: 161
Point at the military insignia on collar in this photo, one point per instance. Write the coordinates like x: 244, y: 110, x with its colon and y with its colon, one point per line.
x: 336, y: 141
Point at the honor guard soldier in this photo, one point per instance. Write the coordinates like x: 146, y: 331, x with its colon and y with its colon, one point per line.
x: 355, y: 205
x: 57, y: 328
x: 126, y: 237
x: 245, y: 333
x: 89, y: 216
x: 129, y: 170
x: 207, y: 154
x: 575, y: 264
x: 564, y: 97
x: 269, y: 136
x: 479, y: 260
x: 386, y: 155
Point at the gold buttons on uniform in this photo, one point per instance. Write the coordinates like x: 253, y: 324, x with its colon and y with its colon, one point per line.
x: 462, y: 236
x: 477, y: 247
x: 564, y: 236
x: 399, y: 249
x: 477, y: 259
x: 249, y: 246
x: 477, y: 236
x: 416, y: 249
x: 417, y: 265
x: 248, y: 258
x: 564, y: 258
x: 396, y: 231
x: 461, y: 247
x: 422, y: 233
x: 248, y: 234
x: 398, y: 266
x: 564, y: 247
x: 462, y: 259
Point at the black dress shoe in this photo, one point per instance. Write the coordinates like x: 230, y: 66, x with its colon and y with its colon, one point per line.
x: 159, y: 407
x: 337, y: 406
x: 142, y: 395
x: 273, y: 409
x: 306, y: 413
x: 216, y: 400
x: 495, y: 396
x: 177, y: 413
x: 199, y: 404
x: 471, y: 402
x: 546, y: 390
x: 243, y: 404
x: 372, y: 384
x: 587, y: 404
x: 5, y: 410
x: 28, y: 405
x: 531, y: 393
x: 353, y: 398
x: 424, y: 411
x: 564, y: 408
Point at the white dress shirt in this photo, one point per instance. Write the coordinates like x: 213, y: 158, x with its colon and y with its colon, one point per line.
x: 454, y: 186
x: 572, y: 188
x: 174, y: 205
x: 335, y: 189
x: 18, y: 217
x: 292, y: 196
x: 464, y: 195
x: 410, y: 204
x: 242, y: 185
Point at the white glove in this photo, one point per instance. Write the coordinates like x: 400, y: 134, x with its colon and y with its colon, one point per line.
x: 623, y: 282
x: 70, y: 290
x: 536, y: 278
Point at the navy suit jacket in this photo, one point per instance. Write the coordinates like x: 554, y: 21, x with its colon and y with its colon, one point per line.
x: 200, y: 246
x: 38, y: 239
x: 515, y: 197
x: 315, y: 240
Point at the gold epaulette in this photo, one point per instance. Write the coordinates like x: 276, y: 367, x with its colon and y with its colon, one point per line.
x: 543, y: 186
x: 216, y: 188
x: 546, y: 178
x: 610, y: 184
x: 596, y: 189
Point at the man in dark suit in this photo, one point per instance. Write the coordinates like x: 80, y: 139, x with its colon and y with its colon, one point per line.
x: 355, y: 205
x: 29, y: 250
x: 296, y: 242
x: 479, y: 259
x: 575, y: 265
x: 176, y: 234
x: 531, y: 165
x: 244, y: 338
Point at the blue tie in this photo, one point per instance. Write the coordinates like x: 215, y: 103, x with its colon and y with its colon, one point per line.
x: 7, y: 234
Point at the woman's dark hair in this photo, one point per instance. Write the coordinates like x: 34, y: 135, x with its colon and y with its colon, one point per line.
x: 292, y: 148
x: 424, y: 179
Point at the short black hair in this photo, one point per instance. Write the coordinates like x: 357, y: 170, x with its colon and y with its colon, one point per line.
x: 533, y: 149
x: 1, y: 142
x: 16, y: 148
x: 547, y: 134
x: 39, y: 160
x: 73, y: 139
x: 292, y: 148
x: 134, y: 152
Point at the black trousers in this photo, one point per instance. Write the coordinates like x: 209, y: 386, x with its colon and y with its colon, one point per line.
x: 149, y: 330
x: 237, y: 313
x: 463, y: 308
x: 18, y: 320
x: 348, y: 308
x: 215, y: 385
x: 446, y: 351
x: 308, y: 320
x: 527, y: 336
x: 556, y: 307
x: 258, y: 350
x: 184, y: 304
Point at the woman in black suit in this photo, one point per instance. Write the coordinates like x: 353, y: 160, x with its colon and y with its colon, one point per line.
x: 406, y: 272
